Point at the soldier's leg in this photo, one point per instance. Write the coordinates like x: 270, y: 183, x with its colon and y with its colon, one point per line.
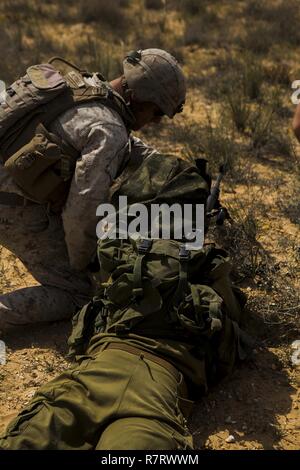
x: 37, y: 239
x: 61, y: 416
x: 142, y: 434
x: 35, y: 304
x: 150, y: 413
x: 71, y: 411
x: 76, y: 409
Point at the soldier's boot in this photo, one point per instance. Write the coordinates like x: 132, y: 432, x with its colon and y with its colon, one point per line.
x: 37, y: 304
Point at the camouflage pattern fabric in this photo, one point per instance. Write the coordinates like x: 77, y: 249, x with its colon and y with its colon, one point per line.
x: 37, y: 239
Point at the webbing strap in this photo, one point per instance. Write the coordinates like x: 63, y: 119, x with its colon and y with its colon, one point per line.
x: 143, y: 249
x: 184, y: 257
x: 2, y: 112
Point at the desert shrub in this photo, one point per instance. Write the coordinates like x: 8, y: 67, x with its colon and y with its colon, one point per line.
x: 252, y: 77
x: 278, y: 74
x: 242, y: 73
x: 258, y: 38
x: 281, y: 22
x: 254, y: 8
x: 218, y: 147
x: 236, y: 109
x: 216, y: 144
x: 261, y: 127
x: 109, y: 13
x: 267, y: 134
x: 242, y: 240
x: 188, y: 135
x: 154, y: 4
x: 275, y: 97
x: 202, y: 29
x: 98, y: 57
x: 191, y: 7
x: 280, y: 143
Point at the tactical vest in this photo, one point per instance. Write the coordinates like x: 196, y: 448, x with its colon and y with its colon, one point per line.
x: 41, y: 163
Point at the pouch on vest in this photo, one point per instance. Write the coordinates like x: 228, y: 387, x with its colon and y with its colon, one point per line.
x: 83, y: 327
x: 41, y: 84
x: 43, y: 167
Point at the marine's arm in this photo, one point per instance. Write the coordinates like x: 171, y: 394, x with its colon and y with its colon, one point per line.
x: 102, y: 146
x: 140, y: 150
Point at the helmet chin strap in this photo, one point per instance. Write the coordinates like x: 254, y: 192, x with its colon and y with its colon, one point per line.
x: 127, y: 92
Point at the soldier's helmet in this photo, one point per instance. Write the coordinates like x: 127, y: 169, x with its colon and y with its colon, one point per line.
x: 155, y: 76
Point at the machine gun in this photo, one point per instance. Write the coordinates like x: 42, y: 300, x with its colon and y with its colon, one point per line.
x: 213, y: 206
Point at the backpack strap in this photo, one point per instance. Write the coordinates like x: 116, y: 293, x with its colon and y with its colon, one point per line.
x: 143, y: 248
x: 184, y: 257
x: 83, y: 92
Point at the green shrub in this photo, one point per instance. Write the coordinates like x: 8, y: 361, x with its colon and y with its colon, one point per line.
x: 237, y: 109
x: 252, y: 78
x: 202, y: 30
x: 96, y: 57
x: 258, y: 39
x: 260, y: 125
x: 267, y: 134
x: 154, y: 4
x: 103, y: 11
x: 280, y: 22
x: 213, y: 143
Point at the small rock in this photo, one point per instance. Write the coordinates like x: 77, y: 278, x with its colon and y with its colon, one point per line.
x: 296, y: 354
x: 244, y: 427
x: 230, y: 439
x: 29, y: 394
x: 273, y: 366
x: 228, y: 420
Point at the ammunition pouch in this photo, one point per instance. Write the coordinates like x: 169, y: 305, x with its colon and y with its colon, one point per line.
x: 43, y: 168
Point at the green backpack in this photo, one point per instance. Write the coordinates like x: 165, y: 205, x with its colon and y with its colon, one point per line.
x: 156, y: 288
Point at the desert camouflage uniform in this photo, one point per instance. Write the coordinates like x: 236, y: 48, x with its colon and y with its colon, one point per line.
x: 56, y: 249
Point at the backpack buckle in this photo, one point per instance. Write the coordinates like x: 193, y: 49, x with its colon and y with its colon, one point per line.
x: 144, y: 246
x: 184, y: 254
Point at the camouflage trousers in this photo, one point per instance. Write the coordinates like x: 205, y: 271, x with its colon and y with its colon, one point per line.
x: 37, y: 239
x: 113, y: 400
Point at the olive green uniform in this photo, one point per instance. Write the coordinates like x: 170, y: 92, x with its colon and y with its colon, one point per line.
x: 112, y: 400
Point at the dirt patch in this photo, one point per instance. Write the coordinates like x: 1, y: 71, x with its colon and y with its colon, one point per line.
x: 258, y: 405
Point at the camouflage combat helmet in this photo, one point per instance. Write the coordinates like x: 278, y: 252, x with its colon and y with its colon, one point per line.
x: 155, y: 76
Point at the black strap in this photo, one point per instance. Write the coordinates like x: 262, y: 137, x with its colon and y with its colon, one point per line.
x: 184, y: 257
x: 143, y: 248
x: 13, y: 199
